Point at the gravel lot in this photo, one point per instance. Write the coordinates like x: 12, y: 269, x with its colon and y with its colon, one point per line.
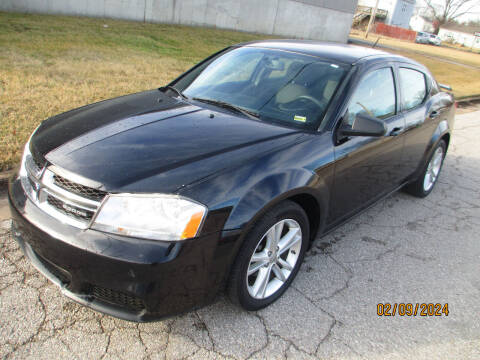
x: 402, y: 250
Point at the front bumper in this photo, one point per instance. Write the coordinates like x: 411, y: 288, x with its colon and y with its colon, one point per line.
x: 132, y: 279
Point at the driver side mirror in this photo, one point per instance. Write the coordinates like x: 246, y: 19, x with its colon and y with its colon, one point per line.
x: 364, y: 125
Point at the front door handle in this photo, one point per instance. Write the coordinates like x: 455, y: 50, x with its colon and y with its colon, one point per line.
x: 434, y: 114
x: 396, y: 131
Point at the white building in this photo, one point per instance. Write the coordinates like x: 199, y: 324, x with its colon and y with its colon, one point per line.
x: 399, y: 12
x: 421, y: 23
x: 463, y: 35
x: 329, y: 20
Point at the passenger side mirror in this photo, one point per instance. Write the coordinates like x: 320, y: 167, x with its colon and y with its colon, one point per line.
x: 365, y: 125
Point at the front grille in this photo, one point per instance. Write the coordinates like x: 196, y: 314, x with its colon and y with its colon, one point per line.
x: 68, y: 209
x: 84, y: 191
x: 118, y: 298
x: 69, y: 202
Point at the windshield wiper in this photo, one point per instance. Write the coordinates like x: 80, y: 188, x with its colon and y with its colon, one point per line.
x: 225, y: 105
x: 175, y: 90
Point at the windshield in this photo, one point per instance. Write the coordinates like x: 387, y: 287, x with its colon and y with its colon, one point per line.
x: 276, y: 86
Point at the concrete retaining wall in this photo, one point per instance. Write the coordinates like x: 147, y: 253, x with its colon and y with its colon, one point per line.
x: 313, y: 19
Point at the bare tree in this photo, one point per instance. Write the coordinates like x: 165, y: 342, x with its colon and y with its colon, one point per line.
x: 444, y: 11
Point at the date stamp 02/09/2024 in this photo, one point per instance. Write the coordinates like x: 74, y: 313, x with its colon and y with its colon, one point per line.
x: 412, y: 309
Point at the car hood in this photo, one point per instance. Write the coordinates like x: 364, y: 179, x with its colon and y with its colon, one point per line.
x: 119, y: 143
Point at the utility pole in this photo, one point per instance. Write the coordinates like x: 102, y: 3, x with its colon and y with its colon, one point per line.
x: 372, y: 19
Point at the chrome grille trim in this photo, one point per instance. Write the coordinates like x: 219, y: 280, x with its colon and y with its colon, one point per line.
x: 40, y: 186
x: 33, y: 168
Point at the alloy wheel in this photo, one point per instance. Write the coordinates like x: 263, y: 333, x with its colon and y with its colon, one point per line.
x: 433, y: 169
x: 274, y: 259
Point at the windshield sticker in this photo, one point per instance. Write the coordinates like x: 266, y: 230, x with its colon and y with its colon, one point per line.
x: 300, y: 118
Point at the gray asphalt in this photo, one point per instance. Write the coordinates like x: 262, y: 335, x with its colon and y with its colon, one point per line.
x: 403, y: 250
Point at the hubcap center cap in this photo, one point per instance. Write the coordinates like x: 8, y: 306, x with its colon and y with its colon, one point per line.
x: 272, y: 256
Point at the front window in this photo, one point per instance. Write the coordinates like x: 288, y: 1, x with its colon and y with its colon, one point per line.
x: 278, y: 86
x: 374, y: 96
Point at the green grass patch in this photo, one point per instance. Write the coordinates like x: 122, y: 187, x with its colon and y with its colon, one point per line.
x: 50, y: 64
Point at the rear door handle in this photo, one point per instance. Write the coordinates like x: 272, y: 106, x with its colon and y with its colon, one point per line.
x: 396, y: 131
x: 434, y: 114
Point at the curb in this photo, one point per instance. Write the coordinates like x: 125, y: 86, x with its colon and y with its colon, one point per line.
x: 4, y: 176
x: 468, y: 99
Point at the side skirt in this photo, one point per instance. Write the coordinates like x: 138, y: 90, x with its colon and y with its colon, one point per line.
x: 359, y: 212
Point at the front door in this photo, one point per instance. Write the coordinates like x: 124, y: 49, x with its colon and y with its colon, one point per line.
x: 368, y: 167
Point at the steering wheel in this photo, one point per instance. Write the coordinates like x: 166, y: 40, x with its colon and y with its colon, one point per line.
x: 302, y: 98
x: 312, y: 99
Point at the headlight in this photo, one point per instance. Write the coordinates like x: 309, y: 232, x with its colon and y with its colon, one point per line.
x: 27, y: 159
x: 156, y: 217
x: 23, y: 174
x: 27, y: 168
x: 26, y: 154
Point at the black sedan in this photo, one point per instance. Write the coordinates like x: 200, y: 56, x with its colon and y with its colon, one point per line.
x: 150, y: 204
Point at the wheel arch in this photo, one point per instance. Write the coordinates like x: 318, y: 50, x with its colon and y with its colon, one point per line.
x: 446, y: 138
x: 442, y: 132
x: 310, y: 203
x: 304, y: 188
x: 311, y: 207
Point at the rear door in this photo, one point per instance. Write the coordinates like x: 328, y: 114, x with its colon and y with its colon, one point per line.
x: 368, y: 167
x: 423, y: 108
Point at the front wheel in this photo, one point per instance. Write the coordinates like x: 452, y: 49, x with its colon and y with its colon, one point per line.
x: 425, y: 183
x: 270, y: 257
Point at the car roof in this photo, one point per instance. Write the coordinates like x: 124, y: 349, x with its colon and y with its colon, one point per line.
x: 344, y: 53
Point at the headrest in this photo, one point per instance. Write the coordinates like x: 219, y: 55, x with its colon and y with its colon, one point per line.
x: 329, y: 89
x: 289, y: 93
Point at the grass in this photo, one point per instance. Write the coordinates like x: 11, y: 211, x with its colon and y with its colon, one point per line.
x: 456, y: 46
x: 445, y: 52
x: 50, y: 64
x: 457, y: 68
x: 465, y: 81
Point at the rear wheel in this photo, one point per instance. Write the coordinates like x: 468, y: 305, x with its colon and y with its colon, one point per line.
x: 270, y: 257
x: 426, y: 182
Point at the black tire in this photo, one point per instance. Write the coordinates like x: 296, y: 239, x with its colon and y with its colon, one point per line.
x: 237, y: 285
x: 417, y: 187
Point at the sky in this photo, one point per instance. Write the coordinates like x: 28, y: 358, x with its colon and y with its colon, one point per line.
x: 474, y: 15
